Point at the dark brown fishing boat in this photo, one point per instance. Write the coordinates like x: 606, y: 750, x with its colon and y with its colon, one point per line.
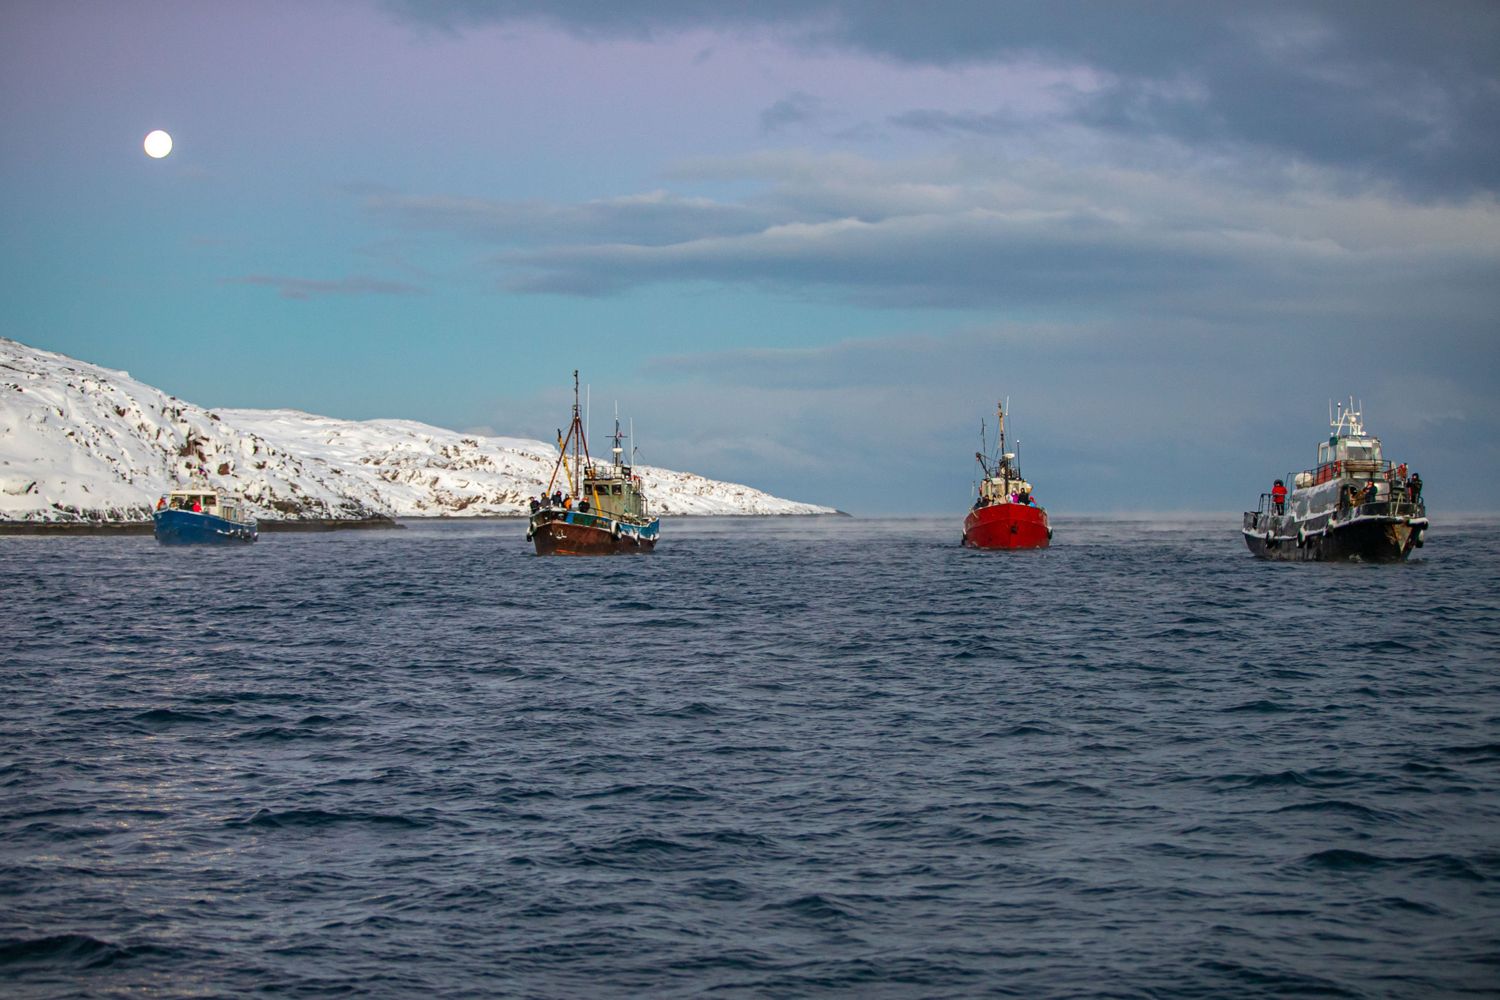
x: 604, y: 510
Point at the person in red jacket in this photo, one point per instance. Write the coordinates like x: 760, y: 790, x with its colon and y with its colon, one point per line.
x: 1278, y: 496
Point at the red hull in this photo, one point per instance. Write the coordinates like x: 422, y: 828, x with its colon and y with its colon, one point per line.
x: 1007, y: 526
x: 558, y: 538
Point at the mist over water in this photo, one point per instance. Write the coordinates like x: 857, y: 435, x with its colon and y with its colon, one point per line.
x: 782, y: 757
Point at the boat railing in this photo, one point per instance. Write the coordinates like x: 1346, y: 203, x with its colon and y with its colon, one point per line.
x: 1395, y: 506
x: 1267, y: 505
x: 1368, y: 468
x: 1389, y: 506
x: 1397, y: 503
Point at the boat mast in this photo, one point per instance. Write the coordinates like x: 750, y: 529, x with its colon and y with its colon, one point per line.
x: 1000, y: 417
x: 1002, y: 466
x: 619, y: 465
x: 575, y: 486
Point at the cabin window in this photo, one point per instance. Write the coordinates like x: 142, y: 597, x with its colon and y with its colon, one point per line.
x: 617, y: 489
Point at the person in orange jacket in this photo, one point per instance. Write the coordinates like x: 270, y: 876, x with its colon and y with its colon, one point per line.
x: 1278, y: 496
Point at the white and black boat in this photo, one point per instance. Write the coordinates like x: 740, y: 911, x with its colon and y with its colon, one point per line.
x: 1353, y: 505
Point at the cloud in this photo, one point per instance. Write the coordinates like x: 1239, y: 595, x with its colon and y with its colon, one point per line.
x: 937, y: 121
x: 651, y: 219
x: 794, y: 109
x: 310, y: 288
x: 963, y: 232
x: 1407, y: 93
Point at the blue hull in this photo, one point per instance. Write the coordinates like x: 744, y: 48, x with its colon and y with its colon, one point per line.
x: 183, y: 527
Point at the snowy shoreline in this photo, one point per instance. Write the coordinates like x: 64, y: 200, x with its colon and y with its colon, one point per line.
x: 275, y: 525
x: 85, y: 444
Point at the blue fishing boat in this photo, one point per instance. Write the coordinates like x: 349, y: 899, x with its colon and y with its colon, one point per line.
x: 199, y: 516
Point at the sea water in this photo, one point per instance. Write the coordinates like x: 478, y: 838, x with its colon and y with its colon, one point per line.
x: 776, y: 758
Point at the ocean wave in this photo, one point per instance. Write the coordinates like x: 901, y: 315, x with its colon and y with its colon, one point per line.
x: 312, y: 819
x: 1343, y: 808
x: 76, y: 951
x: 1444, y: 866
x: 635, y: 851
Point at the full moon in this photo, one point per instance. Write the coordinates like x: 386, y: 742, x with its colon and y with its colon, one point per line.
x: 158, y: 144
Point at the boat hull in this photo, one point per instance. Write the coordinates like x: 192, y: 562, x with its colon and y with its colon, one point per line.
x: 1007, y: 526
x: 184, y: 527
x: 1367, y: 534
x: 572, y: 533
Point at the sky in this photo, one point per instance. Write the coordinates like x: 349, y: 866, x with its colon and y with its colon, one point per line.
x: 805, y: 246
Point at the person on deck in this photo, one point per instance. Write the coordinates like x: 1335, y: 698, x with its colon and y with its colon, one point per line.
x: 1278, y: 496
x: 161, y: 504
x: 1414, y: 488
x: 536, y: 505
x: 1371, y: 492
x: 197, y: 507
x: 557, y: 498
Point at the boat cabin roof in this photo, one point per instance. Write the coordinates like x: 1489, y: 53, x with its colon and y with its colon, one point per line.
x: 1362, y: 448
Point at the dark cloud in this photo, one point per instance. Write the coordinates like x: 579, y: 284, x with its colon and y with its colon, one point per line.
x: 310, y: 288
x: 966, y: 259
x: 964, y: 234
x: 1056, y: 239
x: 651, y: 219
x: 1400, y: 91
x: 794, y: 109
x: 970, y: 122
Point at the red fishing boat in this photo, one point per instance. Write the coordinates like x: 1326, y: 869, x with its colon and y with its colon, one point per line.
x: 1005, y: 515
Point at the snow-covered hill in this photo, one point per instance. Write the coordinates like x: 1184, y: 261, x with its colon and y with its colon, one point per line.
x: 80, y: 442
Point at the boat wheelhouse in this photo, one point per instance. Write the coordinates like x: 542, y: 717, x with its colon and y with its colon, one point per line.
x: 604, y: 511
x: 1353, y: 505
